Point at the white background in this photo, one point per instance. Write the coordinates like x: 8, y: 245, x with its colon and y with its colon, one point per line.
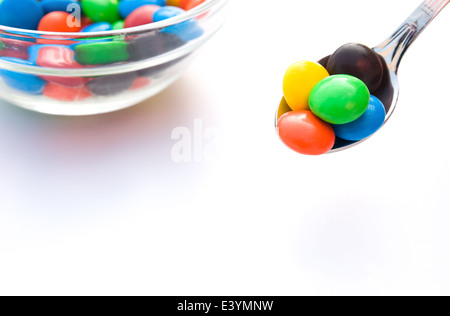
x: 96, y: 205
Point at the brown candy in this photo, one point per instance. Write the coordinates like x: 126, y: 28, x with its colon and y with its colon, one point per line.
x: 359, y: 61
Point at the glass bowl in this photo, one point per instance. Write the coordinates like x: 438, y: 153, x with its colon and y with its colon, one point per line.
x: 92, y: 73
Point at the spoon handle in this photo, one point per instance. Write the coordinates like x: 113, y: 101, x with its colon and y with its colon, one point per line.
x: 393, y: 48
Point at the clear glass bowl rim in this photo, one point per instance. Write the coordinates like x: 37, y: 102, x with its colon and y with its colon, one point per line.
x: 120, y: 68
x: 202, y: 8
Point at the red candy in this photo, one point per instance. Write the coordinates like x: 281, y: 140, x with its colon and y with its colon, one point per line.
x: 57, y: 21
x: 59, y: 57
x: 141, y: 16
x: 15, y: 53
x: 68, y: 94
x: 140, y: 83
x: 305, y: 133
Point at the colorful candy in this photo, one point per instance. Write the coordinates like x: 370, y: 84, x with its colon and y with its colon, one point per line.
x: 84, y: 51
x: 339, y: 99
x: 142, y: 15
x: 128, y: 6
x: 305, y: 133
x: 99, y: 53
x: 112, y: 85
x: 337, y: 92
x: 359, y: 61
x: 98, y: 27
x: 66, y: 94
x: 30, y: 84
x: 364, y: 126
x: 25, y: 14
x: 299, y: 80
x: 190, y: 4
x: 57, y: 5
x: 56, y: 56
x: 56, y: 21
x: 101, y: 10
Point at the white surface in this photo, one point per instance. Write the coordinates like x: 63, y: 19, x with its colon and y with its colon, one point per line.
x: 96, y: 205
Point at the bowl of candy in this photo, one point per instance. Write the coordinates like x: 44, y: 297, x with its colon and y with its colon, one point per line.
x: 84, y: 57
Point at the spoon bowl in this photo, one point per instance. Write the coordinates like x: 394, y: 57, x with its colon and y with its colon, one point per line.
x: 390, y: 52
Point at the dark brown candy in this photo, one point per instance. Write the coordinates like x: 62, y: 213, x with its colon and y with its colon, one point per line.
x: 324, y: 61
x: 385, y: 91
x: 111, y: 85
x: 359, y: 61
x: 151, y: 45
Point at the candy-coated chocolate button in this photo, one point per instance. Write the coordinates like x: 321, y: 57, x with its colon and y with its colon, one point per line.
x: 187, y: 30
x: 112, y: 85
x: 190, y: 4
x: 299, y: 81
x: 146, y: 46
x: 27, y: 83
x: 166, y: 13
x: 24, y: 14
x: 174, y: 3
x: 283, y: 108
x: 141, y: 16
x: 98, y: 27
x: 140, y: 83
x: 306, y: 134
x: 14, y: 53
x: 366, y: 125
x: 57, y: 21
x: 100, y: 53
x: 128, y: 6
x: 57, y: 5
x: 101, y: 10
x: 56, y: 56
x: 118, y: 25
x: 339, y: 99
x: 67, y: 94
x: 359, y: 61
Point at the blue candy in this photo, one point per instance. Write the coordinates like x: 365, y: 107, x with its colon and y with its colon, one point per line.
x: 24, y: 14
x: 166, y: 13
x: 98, y: 27
x: 24, y: 82
x: 57, y: 5
x: 128, y: 6
x: 366, y: 125
x: 187, y: 30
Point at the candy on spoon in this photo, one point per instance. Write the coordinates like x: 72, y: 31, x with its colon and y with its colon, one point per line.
x: 339, y: 99
x: 298, y: 82
x: 359, y: 61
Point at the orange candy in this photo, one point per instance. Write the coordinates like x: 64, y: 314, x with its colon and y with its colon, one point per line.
x: 174, y: 3
x: 190, y: 4
x: 305, y: 133
x: 59, y: 21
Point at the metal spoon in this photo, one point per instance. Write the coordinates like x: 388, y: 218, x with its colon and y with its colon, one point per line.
x: 391, y: 52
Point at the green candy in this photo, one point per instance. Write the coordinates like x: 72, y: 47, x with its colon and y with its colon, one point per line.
x: 101, y: 10
x: 339, y: 99
x: 118, y: 25
x: 101, y: 53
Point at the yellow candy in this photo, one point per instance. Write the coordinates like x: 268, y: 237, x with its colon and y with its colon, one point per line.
x: 174, y: 3
x: 299, y: 81
x: 283, y: 108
